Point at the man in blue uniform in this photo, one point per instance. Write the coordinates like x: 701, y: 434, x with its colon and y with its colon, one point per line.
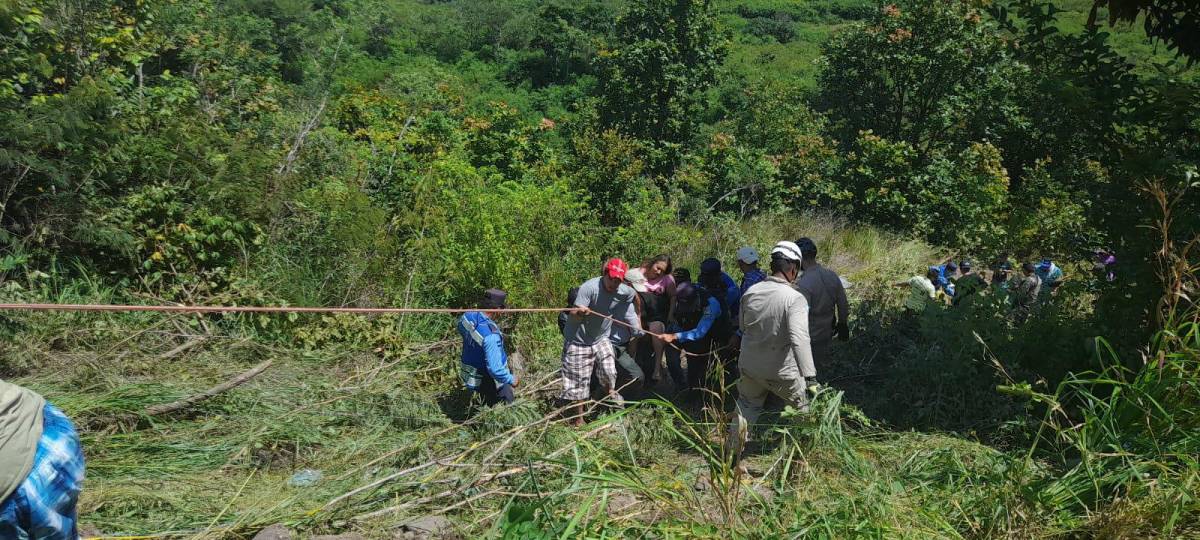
x: 703, y: 324
x: 484, y: 360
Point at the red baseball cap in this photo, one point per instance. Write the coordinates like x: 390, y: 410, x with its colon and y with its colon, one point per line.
x: 615, y: 268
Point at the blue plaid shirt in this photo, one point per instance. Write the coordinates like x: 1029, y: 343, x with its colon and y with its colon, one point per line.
x: 43, y: 507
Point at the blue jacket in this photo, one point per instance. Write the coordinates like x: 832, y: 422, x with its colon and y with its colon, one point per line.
x: 733, y: 293
x: 483, y: 351
x: 943, y: 281
x: 711, y: 312
x: 752, y: 277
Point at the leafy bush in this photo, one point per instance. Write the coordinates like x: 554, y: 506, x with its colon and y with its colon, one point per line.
x: 730, y: 177
x: 781, y: 29
x: 503, y: 141
x: 1047, y: 217
x: 963, y: 202
x: 562, y: 44
x: 466, y: 233
x: 183, y: 252
x: 881, y: 176
x: 607, y: 168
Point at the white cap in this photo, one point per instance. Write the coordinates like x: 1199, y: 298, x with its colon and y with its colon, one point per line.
x: 636, y: 279
x: 789, y: 250
x: 747, y: 255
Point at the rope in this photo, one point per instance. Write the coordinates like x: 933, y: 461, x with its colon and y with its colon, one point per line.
x: 261, y: 309
x: 300, y: 309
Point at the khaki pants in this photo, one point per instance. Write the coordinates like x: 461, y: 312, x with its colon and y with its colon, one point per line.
x: 752, y: 394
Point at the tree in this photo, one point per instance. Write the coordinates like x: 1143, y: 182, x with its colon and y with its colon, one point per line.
x: 562, y: 44
x: 666, y: 54
x: 924, y: 72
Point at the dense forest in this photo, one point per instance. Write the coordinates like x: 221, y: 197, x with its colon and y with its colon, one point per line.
x: 413, y: 152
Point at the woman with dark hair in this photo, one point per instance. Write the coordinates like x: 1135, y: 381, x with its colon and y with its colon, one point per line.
x: 658, y: 303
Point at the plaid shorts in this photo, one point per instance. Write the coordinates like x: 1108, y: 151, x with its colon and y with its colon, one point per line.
x: 577, y: 364
x: 43, y: 506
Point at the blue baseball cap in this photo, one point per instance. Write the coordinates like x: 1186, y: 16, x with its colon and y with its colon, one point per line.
x: 710, y: 266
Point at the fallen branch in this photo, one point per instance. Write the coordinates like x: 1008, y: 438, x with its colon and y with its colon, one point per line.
x: 439, y: 461
x: 186, y: 402
x: 182, y: 348
x: 482, y: 479
x: 552, y: 417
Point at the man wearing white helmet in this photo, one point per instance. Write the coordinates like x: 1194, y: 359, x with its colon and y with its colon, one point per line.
x: 776, y: 355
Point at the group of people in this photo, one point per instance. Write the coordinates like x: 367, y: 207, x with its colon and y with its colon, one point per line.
x: 769, y: 331
x: 958, y: 283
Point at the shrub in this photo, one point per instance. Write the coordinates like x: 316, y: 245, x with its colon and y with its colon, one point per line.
x: 730, y: 177
x: 1047, y: 216
x: 964, y: 202
x: 466, y: 234
x: 880, y: 174
x: 183, y: 251
x: 606, y: 167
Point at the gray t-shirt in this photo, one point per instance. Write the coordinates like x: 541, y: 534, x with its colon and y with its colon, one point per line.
x: 587, y: 330
x: 824, y: 291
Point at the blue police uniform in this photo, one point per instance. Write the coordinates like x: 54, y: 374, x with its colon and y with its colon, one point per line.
x: 484, y: 360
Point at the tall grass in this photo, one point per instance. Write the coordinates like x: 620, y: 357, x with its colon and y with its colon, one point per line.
x: 1115, y: 455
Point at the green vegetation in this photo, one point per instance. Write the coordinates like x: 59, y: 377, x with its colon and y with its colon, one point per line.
x: 411, y: 153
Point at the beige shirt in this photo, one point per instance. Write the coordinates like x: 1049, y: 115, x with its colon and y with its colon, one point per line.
x: 920, y: 294
x: 774, y: 323
x: 20, y: 430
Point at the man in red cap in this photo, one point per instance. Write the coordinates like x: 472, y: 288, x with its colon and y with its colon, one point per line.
x: 586, y: 342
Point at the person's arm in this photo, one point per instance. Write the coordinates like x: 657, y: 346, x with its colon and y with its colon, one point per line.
x: 736, y: 340
x: 843, y: 309
x: 711, y: 312
x: 632, y: 346
x: 493, y: 353
x: 583, y: 301
x: 797, y: 324
x: 843, y: 304
x: 733, y: 292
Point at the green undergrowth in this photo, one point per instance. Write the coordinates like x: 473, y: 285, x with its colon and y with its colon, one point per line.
x: 394, y: 438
